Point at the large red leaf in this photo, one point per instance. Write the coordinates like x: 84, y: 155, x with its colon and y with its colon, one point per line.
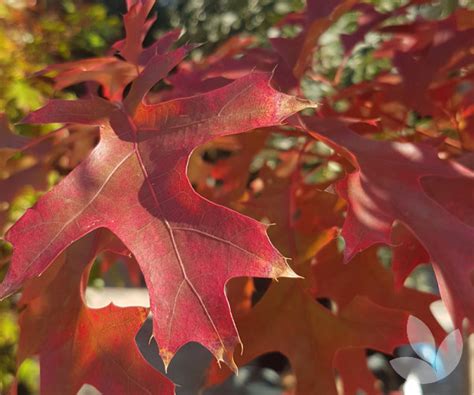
x: 392, y: 182
x: 365, y: 276
x: 290, y: 321
x: 78, y: 345
x: 134, y: 183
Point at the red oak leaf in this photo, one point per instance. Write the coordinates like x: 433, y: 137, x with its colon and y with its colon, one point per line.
x: 78, y: 345
x: 290, y: 321
x: 362, y: 277
x: 134, y: 183
x: 443, y: 53
x: 136, y: 28
x: 111, y: 73
x: 394, y: 181
x: 365, y: 276
x: 137, y: 25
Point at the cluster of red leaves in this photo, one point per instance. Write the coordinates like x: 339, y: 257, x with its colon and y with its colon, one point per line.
x: 139, y: 192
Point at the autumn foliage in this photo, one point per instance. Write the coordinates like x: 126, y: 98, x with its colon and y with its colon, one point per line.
x: 205, y: 171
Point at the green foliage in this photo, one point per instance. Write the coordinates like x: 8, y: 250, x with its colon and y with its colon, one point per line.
x: 8, y: 341
x: 214, y: 21
x: 30, y: 39
x: 28, y: 372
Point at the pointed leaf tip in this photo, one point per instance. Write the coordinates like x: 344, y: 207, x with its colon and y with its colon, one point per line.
x: 293, y: 104
x: 307, y: 103
x: 283, y: 271
x: 166, y: 357
x: 227, y: 356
